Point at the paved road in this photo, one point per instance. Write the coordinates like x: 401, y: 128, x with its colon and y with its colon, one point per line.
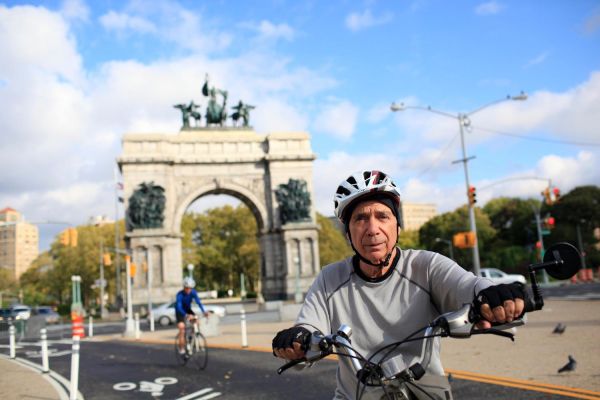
x: 139, y: 370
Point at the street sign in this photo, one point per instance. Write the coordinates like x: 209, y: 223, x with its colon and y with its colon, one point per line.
x: 100, y: 283
x: 545, y: 231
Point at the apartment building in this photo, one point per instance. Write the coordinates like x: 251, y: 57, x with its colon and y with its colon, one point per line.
x: 416, y: 214
x: 19, y: 242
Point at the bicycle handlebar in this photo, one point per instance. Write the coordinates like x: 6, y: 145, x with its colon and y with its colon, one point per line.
x: 456, y: 324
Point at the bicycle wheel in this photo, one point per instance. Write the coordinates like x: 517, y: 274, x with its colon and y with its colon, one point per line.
x: 199, y: 351
x: 182, y: 359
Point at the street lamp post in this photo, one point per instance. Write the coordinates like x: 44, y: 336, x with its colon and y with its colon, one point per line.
x: 102, y: 281
x: 129, y: 324
x: 464, y: 121
x: 149, y: 266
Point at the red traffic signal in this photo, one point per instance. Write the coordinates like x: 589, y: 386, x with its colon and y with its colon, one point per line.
x: 472, y: 194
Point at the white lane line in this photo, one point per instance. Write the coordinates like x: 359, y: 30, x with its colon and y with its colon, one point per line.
x: 193, y: 395
x: 209, y: 396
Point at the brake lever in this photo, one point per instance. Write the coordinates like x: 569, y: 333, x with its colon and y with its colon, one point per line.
x: 493, y: 331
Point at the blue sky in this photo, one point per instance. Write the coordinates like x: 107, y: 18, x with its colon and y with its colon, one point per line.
x: 76, y: 75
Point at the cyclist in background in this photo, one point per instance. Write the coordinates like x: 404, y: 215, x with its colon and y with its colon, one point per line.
x: 183, y: 308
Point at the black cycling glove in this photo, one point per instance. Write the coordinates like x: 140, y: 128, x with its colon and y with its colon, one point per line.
x: 287, y: 337
x: 496, y: 295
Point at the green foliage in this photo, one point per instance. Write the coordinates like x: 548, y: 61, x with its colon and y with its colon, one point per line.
x: 513, y: 219
x: 333, y: 245
x: 576, y: 215
x: 409, y: 239
x: 222, y: 244
x: 48, y: 280
x: 444, y: 226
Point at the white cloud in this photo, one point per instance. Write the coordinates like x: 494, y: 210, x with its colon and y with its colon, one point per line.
x: 36, y: 41
x: 540, y: 58
x: 75, y: 9
x: 337, y: 119
x: 269, y: 30
x: 167, y: 22
x: 564, y: 172
x: 570, y: 115
x: 359, y: 21
x: 489, y: 8
x: 121, y: 22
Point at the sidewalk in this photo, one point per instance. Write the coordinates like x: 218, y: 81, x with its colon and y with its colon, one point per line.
x: 19, y: 381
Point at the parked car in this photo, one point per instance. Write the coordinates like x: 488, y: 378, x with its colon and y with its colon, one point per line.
x: 5, y: 314
x: 165, y: 313
x: 497, y: 276
x: 20, y: 311
x: 49, y: 314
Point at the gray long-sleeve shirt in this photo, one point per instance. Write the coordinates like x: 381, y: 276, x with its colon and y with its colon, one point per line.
x: 421, y: 286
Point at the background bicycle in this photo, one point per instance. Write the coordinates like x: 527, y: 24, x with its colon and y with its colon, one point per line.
x: 195, y: 345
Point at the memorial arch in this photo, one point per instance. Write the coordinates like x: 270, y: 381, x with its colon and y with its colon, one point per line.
x: 255, y: 168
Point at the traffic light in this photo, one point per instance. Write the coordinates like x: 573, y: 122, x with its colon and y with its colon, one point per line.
x: 464, y: 240
x: 546, y: 194
x: 106, y: 259
x: 73, y: 237
x: 556, y: 193
x: 132, y: 270
x: 64, y: 237
x: 549, y: 222
x: 472, y: 193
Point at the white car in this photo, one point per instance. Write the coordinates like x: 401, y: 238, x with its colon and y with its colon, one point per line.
x: 497, y: 276
x: 165, y: 313
x: 20, y: 311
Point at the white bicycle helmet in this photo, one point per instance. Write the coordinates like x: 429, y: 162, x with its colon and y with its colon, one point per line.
x: 189, y: 282
x: 365, y: 184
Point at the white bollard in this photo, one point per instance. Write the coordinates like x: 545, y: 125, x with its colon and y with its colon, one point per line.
x: 137, y: 326
x: 151, y: 316
x: 91, y: 327
x: 11, y: 332
x: 74, y: 368
x: 44, y: 338
x: 244, y: 333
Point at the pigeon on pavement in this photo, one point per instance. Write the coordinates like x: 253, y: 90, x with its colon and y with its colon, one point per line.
x: 570, y: 366
x: 559, y: 328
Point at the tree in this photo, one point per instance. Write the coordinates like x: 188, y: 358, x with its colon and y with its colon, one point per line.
x: 444, y: 226
x: 409, y: 239
x: 578, y: 209
x: 513, y: 247
x: 8, y: 285
x: 48, y: 281
x: 333, y: 245
x: 224, y: 245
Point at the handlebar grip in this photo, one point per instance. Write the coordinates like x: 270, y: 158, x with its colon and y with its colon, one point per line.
x: 289, y: 365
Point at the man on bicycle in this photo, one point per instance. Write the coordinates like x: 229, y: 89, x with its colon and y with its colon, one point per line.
x: 385, y: 293
x: 183, y: 308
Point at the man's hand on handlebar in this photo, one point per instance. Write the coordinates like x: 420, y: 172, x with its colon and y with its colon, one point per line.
x: 291, y: 343
x: 500, y: 304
